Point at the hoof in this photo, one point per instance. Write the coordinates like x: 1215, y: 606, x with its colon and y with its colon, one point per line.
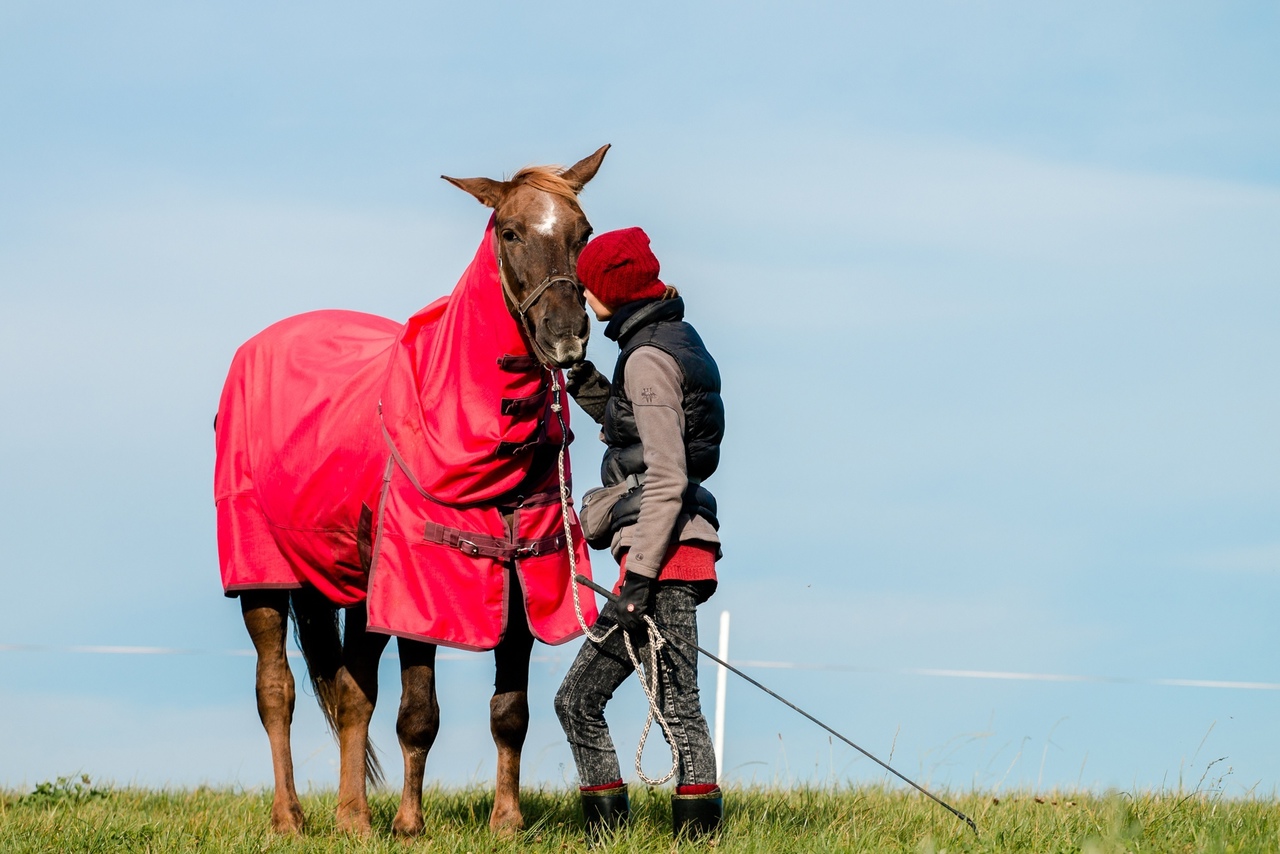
x: 506, y: 825
x: 355, y: 822
x: 408, y: 825
x: 287, y: 820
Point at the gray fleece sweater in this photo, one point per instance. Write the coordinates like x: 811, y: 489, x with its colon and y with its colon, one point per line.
x: 652, y: 382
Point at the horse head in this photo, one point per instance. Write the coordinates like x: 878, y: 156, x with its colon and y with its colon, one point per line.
x: 541, y: 229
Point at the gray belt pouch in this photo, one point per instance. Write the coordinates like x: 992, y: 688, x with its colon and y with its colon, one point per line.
x: 596, y: 514
x: 606, y: 509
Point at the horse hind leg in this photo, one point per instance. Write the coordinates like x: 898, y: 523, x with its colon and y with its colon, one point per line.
x: 266, y: 616
x: 509, y: 715
x: 344, y: 672
x: 417, y: 725
x: 357, y: 693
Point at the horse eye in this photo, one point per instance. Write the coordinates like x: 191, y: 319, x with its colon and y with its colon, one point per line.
x: 510, y: 236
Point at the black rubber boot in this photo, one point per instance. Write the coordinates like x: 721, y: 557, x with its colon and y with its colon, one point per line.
x: 696, y: 816
x: 605, y: 810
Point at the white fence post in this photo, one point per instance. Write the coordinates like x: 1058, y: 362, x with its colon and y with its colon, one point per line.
x: 722, y: 682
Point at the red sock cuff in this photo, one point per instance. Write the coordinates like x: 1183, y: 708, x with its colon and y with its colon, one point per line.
x: 700, y: 789
x: 616, y: 784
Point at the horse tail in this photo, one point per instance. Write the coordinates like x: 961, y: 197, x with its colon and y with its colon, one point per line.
x: 319, y: 637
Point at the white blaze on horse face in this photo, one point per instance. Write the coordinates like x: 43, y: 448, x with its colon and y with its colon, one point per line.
x: 547, y: 224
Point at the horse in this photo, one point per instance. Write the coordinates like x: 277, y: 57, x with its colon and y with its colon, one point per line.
x: 320, y: 511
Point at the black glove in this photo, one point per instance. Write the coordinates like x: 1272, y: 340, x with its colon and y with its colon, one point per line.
x: 635, y: 600
x: 589, y: 388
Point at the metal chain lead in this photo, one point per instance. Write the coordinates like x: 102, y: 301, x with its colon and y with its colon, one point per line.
x: 649, y: 683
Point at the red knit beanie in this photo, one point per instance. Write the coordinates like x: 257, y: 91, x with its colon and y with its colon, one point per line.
x: 619, y: 267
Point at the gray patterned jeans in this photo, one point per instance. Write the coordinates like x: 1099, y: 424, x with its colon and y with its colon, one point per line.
x: 600, y: 668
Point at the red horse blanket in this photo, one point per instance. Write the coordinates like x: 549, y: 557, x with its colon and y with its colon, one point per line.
x: 381, y: 463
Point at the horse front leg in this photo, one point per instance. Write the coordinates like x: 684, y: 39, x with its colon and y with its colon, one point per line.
x: 416, y: 725
x: 266, y: 616
x: 509, y: 718
x: 357, y: 682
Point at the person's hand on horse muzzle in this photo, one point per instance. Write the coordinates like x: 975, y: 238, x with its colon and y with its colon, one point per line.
x: 635, y: 602
x: 589, y: 388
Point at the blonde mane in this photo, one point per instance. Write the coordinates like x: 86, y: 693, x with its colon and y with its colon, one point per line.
x: 548, y: 179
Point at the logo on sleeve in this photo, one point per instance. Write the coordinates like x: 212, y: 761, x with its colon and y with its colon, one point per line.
x: 648, y: 394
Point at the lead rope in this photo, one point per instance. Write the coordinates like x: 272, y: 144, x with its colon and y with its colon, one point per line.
x: 649, y: 682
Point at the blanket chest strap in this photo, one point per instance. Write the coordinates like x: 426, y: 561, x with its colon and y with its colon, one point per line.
x: 483, y: 545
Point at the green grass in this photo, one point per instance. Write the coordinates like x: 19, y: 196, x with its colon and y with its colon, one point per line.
x: 73, y: 815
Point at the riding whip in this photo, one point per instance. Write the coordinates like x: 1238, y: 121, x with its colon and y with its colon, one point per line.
x: 587, y: 582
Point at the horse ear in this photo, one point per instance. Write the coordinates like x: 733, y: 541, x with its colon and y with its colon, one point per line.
x: 486, y: 190
x: 585, y: 169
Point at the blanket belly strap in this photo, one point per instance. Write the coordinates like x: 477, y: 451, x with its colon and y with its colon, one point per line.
x: 483, y: 545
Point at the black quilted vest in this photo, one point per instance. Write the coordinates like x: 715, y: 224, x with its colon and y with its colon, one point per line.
x: 660, y: 323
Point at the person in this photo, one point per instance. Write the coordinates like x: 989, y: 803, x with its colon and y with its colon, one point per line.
x: 662, y: 421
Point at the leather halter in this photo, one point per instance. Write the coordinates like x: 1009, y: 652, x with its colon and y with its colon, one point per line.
x: 522, y: 306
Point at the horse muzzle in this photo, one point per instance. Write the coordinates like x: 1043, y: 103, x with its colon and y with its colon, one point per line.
x: 567, y: 350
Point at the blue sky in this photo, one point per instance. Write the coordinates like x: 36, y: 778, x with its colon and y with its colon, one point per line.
x: 993, y: 287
